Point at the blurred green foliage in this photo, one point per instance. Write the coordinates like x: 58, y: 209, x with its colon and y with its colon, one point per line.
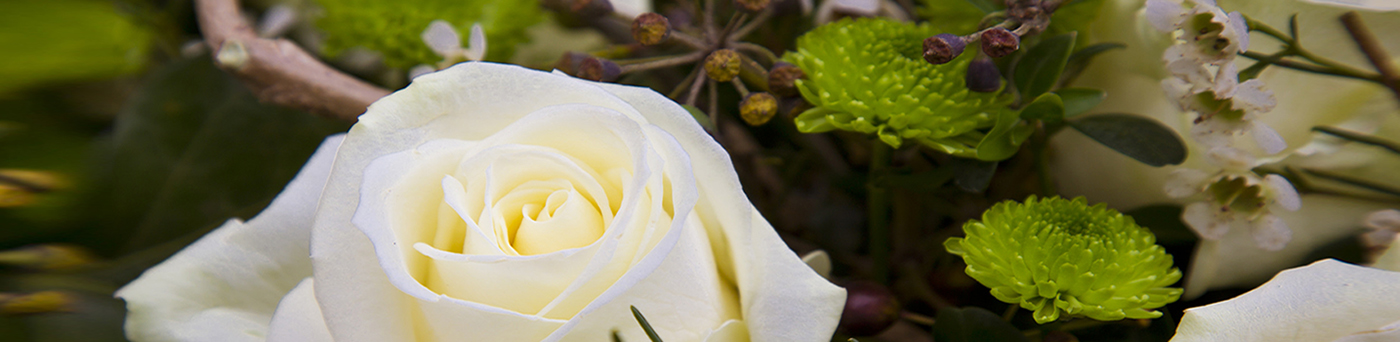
x: 46, y: 41
x: 393, y: 28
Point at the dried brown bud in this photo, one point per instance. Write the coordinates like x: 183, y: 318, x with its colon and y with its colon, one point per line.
x: 758, y: 108
x: 598, y: 69
x: 752, y: 5
x: 943, y: 48
x: 870, y: 309
x: 998, y: 42
x: 651, y: 28
x: 983, y: 76
x: 570, y: 61
x: 782, y: 80
x: 722, y: 65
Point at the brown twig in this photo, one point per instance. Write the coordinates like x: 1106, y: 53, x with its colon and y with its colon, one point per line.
x: 1365, y: 40
x: 279, y: 71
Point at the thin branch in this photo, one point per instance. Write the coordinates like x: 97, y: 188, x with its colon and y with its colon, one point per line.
x: 752, y: 25
x: 1312, y: 68
x: 667, y: 61
x: 1354, y: 181
x: 756, y: 49
x: 1390, y: 76
x: 1394, y: 147
x: 279, y: 71
x: 681, y: 87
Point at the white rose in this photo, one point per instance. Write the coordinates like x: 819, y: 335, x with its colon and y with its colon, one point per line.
x: 489, y: 202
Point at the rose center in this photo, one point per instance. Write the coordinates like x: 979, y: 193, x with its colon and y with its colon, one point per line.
x: 542, y: 216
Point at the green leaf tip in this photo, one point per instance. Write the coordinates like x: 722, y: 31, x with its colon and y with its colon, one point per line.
x: 1064, y: 258
x: 869, y: 76
x: 651, y: 333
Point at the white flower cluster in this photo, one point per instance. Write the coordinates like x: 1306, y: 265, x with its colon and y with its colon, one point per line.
x: 1206, y: 82
x: 443, y: 39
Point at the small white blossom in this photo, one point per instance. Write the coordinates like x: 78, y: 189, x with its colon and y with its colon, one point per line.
x: 1382, y: 228
x: 443, y: 39
x: 1234, y: 194
x: 1214, y: 35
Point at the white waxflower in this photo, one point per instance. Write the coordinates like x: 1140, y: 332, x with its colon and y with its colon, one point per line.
x: 1227, y: 109
x: 443, y: 39
x: 1214, y: 35
x: 1382, y: 227
x: 1234, y: 195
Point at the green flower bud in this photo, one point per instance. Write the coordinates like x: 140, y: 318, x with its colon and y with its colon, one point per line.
x: 1060, y: 258
x: 870, y: 76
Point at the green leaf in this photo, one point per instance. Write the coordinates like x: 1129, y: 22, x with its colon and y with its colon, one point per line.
x: 972, y: 175
x: 999, y: 143
x: 1080, y: 59
x: 1138, y: 137
x: 973, y: 324
x: 651, y: 333
x: 1047, y: 107
x: 47, y: 41
x: 1080, y: 100
x: 191, y: 150
x: 1039, y: 70
x: 700, y: 117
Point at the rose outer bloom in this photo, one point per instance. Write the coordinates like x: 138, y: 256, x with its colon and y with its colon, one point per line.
x: 489, y: 202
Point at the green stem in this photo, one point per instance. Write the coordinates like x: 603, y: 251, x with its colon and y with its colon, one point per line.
x: 877, y: 201
x: 1042, y: 162
x: 1354, y: 181
x: 1394, y: 147
x: 1313, y: 68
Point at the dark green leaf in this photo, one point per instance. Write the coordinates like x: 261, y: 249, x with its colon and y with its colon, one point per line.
x: 1253, y: 71
x: 700, y: 117
x: 191, y: 150
x: 973, y: 324
x: 1138, y: 137
x: 1080, y: 60
x: 972, y: 175
x: 651, y: 333
x: 1080, y: 100
x: 1039, y: 70
x: 1047, y: 107
x: 987, y: 6
x: 999, y: 143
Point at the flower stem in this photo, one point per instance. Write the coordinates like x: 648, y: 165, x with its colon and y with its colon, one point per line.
x: 877, y: 201
x: 1393, y: 146
x: 1366, y: 41
x: 1354, y: 181
x: 630, y: 66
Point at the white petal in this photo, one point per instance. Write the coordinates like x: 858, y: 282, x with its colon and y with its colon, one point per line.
x: 1178, y: 92
x: 819, y: 261
x: 1239, y: 35
x: 1251, y: 96
x: 1185, y: 182
x: 1164, y: 15
x: 783, y: 299
x: 298, y: 317
x: 227, y: 285
x: 1388, y: 219
x: 631, y: 8
x: 1214, y: 133
x: 420, y: 70
x: 1323, y: 301
x: 1267, y: 138
x: 442, y: 38
x: 476, y: 50
x: 1231, y: 158
x: 1207, y: 220
x: 1270, y: 232
x: 1226, y: 79
x: 1283, y: 192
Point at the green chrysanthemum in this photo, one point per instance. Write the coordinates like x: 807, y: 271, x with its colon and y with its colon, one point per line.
x: 1063, y: 257
x: 394, y: 28
x: 869, y: 76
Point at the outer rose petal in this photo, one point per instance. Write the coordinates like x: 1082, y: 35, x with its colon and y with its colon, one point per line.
x: 1324, y: 301
x: 227, y: 285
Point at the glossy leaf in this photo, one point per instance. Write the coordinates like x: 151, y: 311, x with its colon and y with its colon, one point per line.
x: 191, y: 150
x: 1079, y: 100
x: 1039, y: 70
x: 999, y: 143
x: 1047, y: 107
x: 1080, y: 59
x: 1138, y: 137
x: 973, y: 324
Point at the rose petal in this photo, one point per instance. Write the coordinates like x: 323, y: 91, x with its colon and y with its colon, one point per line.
x: 298, y: 318
x: 1323, y: 301
x: 227, y: 285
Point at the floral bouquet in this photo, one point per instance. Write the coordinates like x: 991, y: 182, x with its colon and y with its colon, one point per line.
x: 700, y: 170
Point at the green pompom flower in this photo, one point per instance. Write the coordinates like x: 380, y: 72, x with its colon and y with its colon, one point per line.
x: 1062, y: 257
x: 394, y: 27
x: 869, y: 76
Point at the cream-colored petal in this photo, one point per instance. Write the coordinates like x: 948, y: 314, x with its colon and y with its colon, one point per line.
x: 298, y: 317
x: 781, y: 298
x: 227, y: 285
x: 1323, y: 301
x: 819, y: 261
